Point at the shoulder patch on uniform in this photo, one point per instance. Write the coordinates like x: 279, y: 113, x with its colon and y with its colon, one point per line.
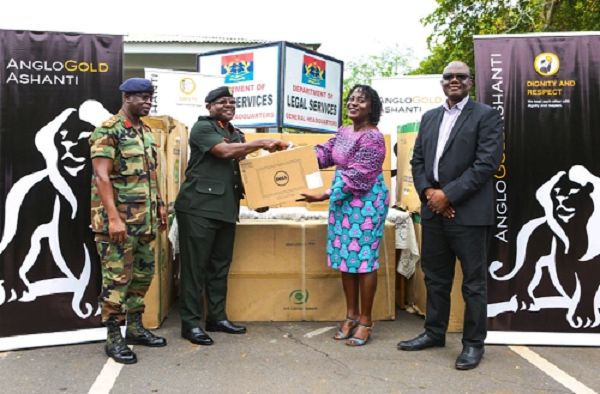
x: 110, y: 122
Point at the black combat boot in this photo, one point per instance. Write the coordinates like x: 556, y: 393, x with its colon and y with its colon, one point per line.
x: 136, y: 334
x: 116, y: 348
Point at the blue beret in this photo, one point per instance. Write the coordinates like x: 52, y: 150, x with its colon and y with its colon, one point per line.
x: 217, y: 93
x: 136, y: 85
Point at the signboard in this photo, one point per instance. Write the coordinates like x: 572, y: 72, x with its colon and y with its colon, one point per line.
x: 54, y: 89
x: 253, y: 75
x: 544, y: 270
x: 280, y: 85
x: 405, y: 100
x: 180, y: 94
x: 312, y: 90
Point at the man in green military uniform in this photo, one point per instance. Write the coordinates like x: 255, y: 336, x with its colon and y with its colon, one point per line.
x: 126, y: 211
x: 207, y: 209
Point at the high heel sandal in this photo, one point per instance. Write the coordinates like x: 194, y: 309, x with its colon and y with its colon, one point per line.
x: 350, y: 325
x: 356, y: 341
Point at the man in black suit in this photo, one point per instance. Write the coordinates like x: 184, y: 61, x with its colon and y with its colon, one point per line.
x: 457, y: 152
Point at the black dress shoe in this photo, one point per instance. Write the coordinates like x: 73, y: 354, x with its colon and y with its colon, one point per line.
x: 469, y: 358
x: 197, y: 336
x: 421, y: 342
x: 146, y: 338
x: 225, y: 326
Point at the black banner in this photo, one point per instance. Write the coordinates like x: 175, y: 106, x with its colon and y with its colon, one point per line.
x: 55, y: 87
x: 544, y: 272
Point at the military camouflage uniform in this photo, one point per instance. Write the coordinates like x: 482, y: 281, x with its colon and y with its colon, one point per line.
x: 127, y: 268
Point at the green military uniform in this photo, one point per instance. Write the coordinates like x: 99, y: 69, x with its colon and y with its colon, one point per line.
x: 127, y: 268
x: 207, y: 209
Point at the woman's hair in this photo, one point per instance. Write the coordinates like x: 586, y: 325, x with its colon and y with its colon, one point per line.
x: 372, y: 95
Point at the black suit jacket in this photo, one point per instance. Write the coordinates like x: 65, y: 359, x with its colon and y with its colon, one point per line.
x: 470, y: 159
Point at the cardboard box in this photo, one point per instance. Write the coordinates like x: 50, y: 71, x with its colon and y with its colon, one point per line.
x: 327, y: 176
x: 401, y: 290
x: 457, y: 305
x: 260, y: 153
x: 308, y: 139
x: 244, y: 203
x: 258, y: 136
x: 312, y: 139
x: 406, y: 194
x: 281, y: 177
x: 171, y: 138
x: 418, y: 295
x: 287, y: 278
x: 158, y: 299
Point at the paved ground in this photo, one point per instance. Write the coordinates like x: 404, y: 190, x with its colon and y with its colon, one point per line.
x: 297, y: 357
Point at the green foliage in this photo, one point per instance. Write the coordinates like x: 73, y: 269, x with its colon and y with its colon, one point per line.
x: 455, y: 22
x: 391, y: 62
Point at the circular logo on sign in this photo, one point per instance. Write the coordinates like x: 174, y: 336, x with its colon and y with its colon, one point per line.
x: 281, y: 178
x: 187, y: 85
x: 546, y: 64
x: 299, y: 297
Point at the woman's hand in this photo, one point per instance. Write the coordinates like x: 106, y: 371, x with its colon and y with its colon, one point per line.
x: 315, y: 197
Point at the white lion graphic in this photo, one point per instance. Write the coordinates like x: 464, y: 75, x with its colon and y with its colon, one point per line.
x: 566, y: 240
x: 94, y: 113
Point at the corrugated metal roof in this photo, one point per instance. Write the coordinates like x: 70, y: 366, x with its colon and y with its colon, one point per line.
x: 154, y: 38
x: 148, y: 38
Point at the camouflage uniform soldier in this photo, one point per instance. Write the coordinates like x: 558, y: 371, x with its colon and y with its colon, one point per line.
x: 126, y: 209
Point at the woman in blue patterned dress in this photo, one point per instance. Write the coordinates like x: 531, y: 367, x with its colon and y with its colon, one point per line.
x: 358, y: 205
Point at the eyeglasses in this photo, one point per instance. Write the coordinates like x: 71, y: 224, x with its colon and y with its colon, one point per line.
x: 225, y: 101
x: 460, y: 77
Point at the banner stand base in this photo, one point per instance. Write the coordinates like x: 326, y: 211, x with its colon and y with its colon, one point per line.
x: 541, y: 338
x: 52, y: 339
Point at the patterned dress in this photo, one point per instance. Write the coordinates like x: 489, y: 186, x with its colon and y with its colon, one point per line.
x: 359, y: 198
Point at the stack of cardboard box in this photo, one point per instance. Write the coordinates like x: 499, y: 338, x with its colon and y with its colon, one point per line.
x: 279, y: 273
x: 171, y: 138
x: 287, y: 277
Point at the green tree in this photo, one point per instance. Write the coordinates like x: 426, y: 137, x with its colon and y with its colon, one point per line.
x: 389, y: 63
x: 455, y: 22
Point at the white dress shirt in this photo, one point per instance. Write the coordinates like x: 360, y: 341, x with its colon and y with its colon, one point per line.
x: 448, y: 121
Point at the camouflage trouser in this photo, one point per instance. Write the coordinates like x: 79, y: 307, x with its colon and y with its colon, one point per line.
x: 127, y: 271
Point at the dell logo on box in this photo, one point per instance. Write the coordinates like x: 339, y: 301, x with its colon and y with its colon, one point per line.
x: 281, y: 178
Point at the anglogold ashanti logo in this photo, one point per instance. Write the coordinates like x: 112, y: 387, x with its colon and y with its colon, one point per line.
x: 546, y: 64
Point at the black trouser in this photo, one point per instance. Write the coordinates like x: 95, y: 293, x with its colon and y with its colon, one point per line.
x: 206, y: 250
x: 443, y: 242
